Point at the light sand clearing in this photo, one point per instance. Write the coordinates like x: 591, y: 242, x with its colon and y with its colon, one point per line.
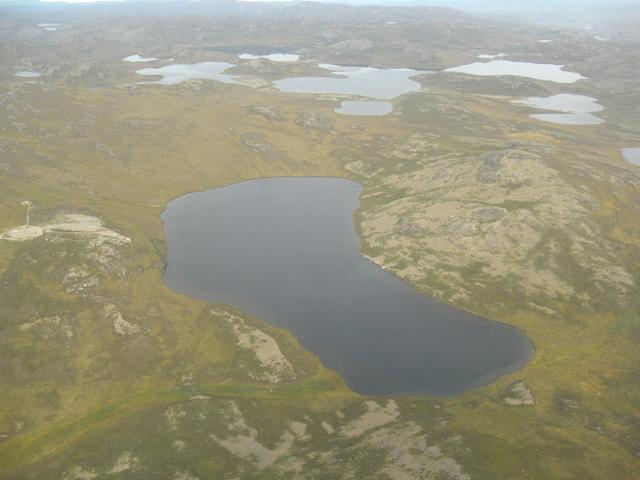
x: 86, y: 226
x: 244, y: 443
x: 184, y: 475
x: 275, y: 366
x: 173, y: 414
x: 299, y: 429
x: 49, y: 327
x: 519, y: 395
x: 125, y: 462
x: 375, y: 416
x: 120, y: 325
x: 326, y: 426
x: 409, y: 457
x: 22, y: 233
x: 80, y: 473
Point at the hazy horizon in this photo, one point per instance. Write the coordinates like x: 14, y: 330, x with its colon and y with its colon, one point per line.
x: 475, y: 5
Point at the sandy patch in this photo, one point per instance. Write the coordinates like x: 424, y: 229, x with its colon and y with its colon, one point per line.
x: 244, y: 443
x: 276, y: 367
x: 409, y: 457
x: 299, y: 429
x: 125, y: 462
x: 49, y: 327
x: 80, y: 473
x: 22, y: 233
x: 173, y: 415
x: 184, y: 475
x: 78, y: 279
x: 519, y: 395
x: 120, y: 325
x: 85, y: 226
x: 199, y: 397
x: 327, y: 427
x: 375, y: 416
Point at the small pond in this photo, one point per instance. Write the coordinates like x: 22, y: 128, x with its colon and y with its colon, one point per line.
x: 631, y: 155
x: 486, y: 56
x: 50, y: 27
x: 138, y: 59
x: 27, y: 74
x: 364, y: 107
x: 274, y: 57
x: 576, y: 109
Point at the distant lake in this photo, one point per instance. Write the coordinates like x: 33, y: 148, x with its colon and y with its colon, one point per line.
x: 274, y: 57
x: 631, y: 155
x: 181, y: 72
x: 577, y: 109
x: 27, y: 74
x: 491, y: 57
x: 537, y: 71
x: 285, y: 250
x: 385, y: 83
x: 364, y: 107
x: 138, y: 59
x: 361, y: 81
x: 50, y: 27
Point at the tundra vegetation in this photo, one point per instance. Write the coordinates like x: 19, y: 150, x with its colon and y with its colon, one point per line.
x: 107, y: 373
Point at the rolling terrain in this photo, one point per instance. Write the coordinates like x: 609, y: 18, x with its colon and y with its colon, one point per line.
x: 107, y: 373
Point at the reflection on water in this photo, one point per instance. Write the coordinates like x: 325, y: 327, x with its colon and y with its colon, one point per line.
x: 631, y: 155
x: 577, y: 109
x: 386, y: 83
x: 138, y: 59
x: 364, y: 107
x: 537, y: 71
x: 174, y: 74
x: 491, y: 57
x: 27, y: 74
x: 274, y: 57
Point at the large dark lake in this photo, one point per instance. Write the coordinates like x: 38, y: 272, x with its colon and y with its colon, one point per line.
x: 285, y: 250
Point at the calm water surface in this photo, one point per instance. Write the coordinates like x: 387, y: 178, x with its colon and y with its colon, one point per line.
x: 362, y: 81
x: 385, y: 83
x: 491, y: 57
x: 631, y: 155
x: 274, y: 57
x: 577, y: 109
x: 50, y: 27
x: 364, y: 107
x: 285, y: 250
x: 27, y: 74
x: 537, y: 71
x: 138, y: 59
x: 181, y: 72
